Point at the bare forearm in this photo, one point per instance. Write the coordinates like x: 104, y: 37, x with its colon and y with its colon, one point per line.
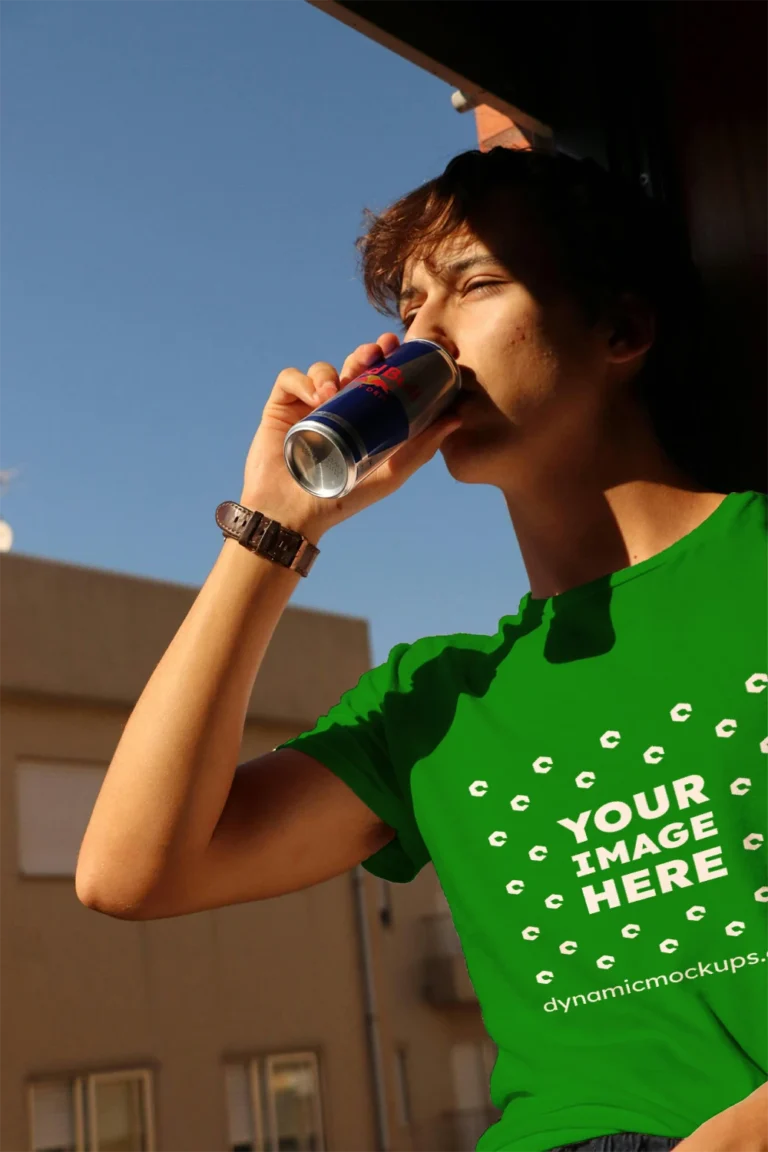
x: 173, y: 768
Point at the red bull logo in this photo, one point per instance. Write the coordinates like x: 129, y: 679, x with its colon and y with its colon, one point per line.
x: 384, y: 379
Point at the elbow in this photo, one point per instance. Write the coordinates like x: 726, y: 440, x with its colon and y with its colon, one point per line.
x: 108, y: 899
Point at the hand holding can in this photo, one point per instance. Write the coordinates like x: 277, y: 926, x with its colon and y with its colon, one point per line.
x: 267, y: 483
x: 332, y: 450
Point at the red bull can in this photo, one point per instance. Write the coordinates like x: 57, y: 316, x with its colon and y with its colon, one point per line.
x: 359, y: 428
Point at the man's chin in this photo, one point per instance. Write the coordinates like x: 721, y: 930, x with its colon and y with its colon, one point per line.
x: 475, y: 455
x: 466, y: 456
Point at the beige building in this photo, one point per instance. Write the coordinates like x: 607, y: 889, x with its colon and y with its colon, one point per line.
x: 338, y: 1018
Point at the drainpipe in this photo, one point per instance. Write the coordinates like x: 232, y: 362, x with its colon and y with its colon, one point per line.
x: 371, y: 1012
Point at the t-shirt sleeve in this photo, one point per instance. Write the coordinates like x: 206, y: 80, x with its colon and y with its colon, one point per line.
x: 353, y: 741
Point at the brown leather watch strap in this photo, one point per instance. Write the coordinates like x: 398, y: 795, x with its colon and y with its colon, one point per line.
x: 266, y: 537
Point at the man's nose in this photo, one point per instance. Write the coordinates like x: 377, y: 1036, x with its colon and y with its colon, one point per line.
x: 435, y: 332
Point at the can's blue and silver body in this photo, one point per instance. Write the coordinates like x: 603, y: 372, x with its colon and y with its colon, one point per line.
x: 354, y: 432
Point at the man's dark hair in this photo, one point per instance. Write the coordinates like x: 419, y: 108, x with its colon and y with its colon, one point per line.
x: 606, y: 238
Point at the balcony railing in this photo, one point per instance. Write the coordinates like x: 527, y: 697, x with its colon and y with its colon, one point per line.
x: 445, y: 977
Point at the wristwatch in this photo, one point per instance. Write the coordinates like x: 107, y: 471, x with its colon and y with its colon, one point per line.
x: 266, y: 537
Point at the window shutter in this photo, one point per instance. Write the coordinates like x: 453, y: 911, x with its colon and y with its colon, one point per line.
x: 239, y: 1113
x: 54, y: 805
x: 53, y: 1121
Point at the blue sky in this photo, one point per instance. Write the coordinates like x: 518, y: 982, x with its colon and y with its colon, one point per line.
x: 182, y: 184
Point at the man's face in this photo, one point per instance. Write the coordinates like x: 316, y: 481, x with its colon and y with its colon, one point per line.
x: 536, y: 377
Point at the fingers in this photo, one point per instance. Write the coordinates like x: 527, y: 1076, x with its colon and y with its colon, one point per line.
x: 321, y: 380
x: 325, y: 381
x: 366, y: 355
x: 322, y: 373
x: 315, y: 386
x: 363, y: 357
x: 388, y: 342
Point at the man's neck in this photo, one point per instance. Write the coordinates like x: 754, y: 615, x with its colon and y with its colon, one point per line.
x: 590, y: 521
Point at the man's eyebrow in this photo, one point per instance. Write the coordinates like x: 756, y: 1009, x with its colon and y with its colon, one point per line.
x: 454, y: 269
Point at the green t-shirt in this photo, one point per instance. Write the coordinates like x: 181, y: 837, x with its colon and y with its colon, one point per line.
x: 590, y: 784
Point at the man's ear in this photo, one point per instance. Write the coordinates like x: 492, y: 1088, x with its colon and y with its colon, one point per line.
x: 631, y: 328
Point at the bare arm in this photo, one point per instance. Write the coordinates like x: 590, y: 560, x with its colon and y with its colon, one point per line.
x: 288, y: 823
x: 177, y: 827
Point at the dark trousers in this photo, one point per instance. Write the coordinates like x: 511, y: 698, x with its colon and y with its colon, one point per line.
x: 622, y: 1142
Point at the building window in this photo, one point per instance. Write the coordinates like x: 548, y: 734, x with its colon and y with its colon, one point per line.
x: 54, y: 802
x: 402, y: 1095
x: 273, y: 1104
x: 100, y: 1112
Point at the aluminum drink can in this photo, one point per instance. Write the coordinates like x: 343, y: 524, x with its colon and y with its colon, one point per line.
x: 353, y: 433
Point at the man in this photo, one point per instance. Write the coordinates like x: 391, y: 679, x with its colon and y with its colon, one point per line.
x: 589, y: 781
